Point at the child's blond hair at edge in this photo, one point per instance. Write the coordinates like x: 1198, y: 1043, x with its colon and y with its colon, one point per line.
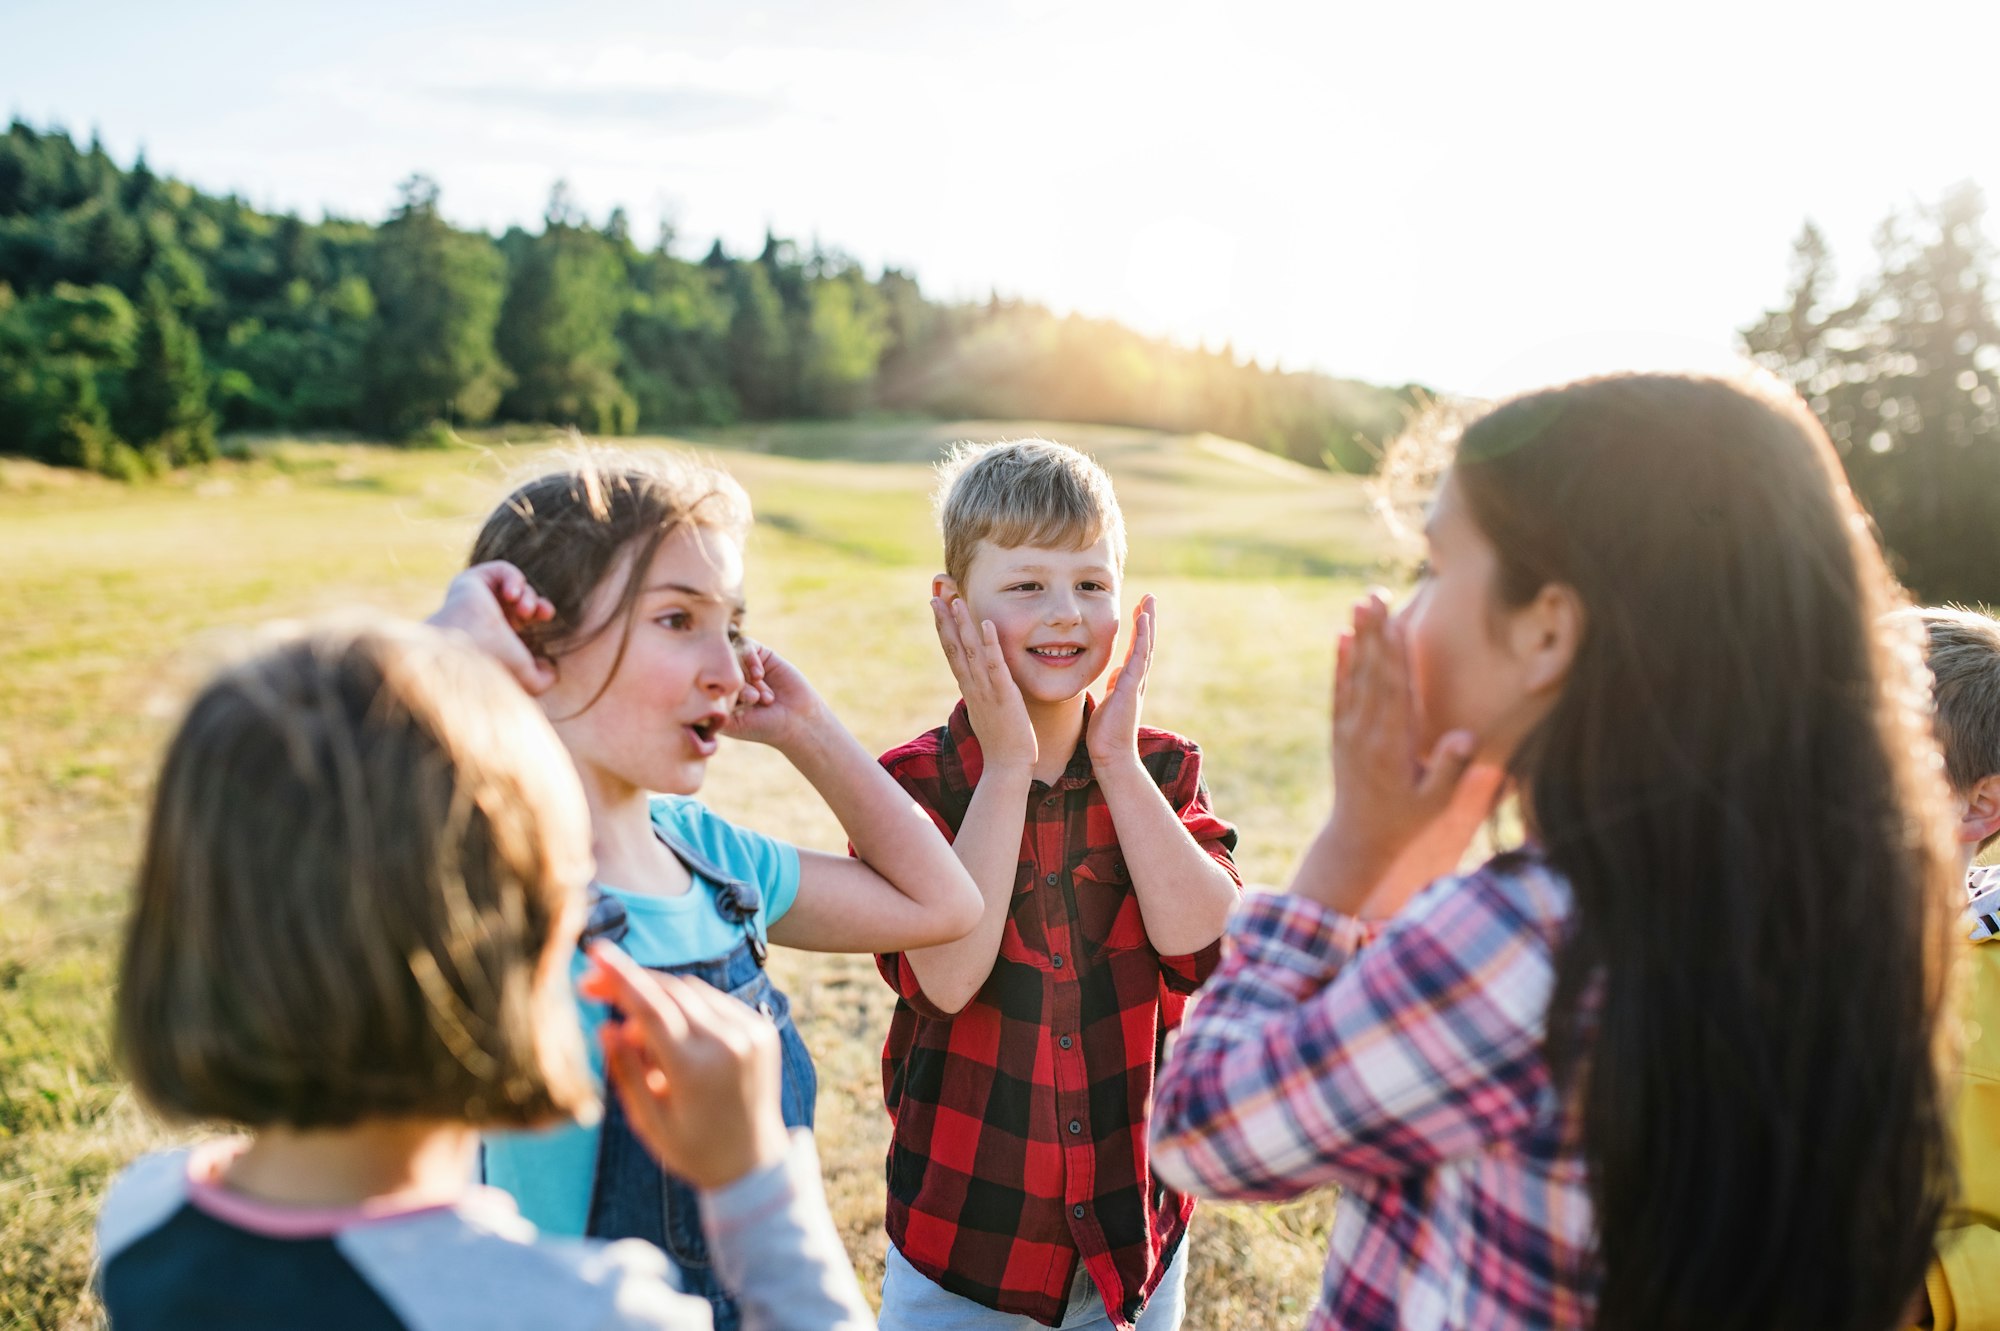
x: 1963, y: 651
x: 1024, y: 492
x: 363, y: 841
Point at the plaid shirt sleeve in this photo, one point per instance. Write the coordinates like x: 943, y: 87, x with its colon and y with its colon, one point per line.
x: 1187, y: 792
x: 918, y: 778
x: 1318, y: 1054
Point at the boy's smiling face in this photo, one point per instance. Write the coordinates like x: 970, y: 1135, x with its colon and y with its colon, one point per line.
x: 1055, y: 610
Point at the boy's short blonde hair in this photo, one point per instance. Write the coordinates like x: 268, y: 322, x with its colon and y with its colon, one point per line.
x: 1025, y: 492
x: 363, y: 844
x: 1964, y: 655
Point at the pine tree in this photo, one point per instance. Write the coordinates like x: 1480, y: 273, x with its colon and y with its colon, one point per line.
x: 558, y: 327
x: 166, y: 412
x: 1906, y: 378
x: 437, y: 295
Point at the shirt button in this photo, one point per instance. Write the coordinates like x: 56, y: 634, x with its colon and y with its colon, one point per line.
x: 1064, y: 1042
x: 1075, y: 1127
x: 1077, y: 1211
x: 1056, y: 961
x: 1052, y: 880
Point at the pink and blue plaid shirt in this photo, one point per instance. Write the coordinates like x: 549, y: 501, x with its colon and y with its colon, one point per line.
x: 1405, y: 1063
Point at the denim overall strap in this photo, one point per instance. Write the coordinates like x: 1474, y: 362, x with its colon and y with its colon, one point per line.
x: 631, y: 1196
x: 735, y: 900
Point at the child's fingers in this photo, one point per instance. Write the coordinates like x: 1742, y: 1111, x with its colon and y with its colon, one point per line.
x: 947, y: 615
x: 769, y: 666
x: 710, y: 1011
x: 1379, y: 668
x: 1140, y: 657
x: 531, y: 672
x: 754, y: 658
x: 998, y: 677
x: 645, y: 1092
x: 971, y: 636
x: 1149, y: 629
x: 643, y: 997
x: 1446, y: 765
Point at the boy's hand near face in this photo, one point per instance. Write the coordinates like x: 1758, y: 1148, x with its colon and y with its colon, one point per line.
x: 491, y: 603
x: 1184, y: 896
x: 992, y: 699
x: 1114, y: 726
x: 989, y: 837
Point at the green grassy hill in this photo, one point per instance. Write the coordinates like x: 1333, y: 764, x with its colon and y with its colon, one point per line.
x: 121, y: 597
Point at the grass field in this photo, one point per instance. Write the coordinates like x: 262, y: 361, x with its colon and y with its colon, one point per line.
x: 118, y: 599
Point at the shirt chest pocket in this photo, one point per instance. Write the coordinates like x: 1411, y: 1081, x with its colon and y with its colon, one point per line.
x: 1107, y: 909
x: 1103, y: 914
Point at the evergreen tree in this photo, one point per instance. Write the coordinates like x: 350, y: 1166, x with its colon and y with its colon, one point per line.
x: 760, y: 343
x: 279, y: 322
x: 673, y: 338
x: 437, y: 293
x: 1906, y: 378
x: 846, y: 331
x: 165, y: 409
x: 558, y: 328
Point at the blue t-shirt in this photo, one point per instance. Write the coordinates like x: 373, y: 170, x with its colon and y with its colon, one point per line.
x: 550, y: 1172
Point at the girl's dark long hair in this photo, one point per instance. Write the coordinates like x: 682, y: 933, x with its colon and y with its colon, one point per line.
x: 1739, y: 784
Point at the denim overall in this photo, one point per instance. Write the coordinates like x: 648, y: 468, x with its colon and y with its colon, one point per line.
x: 631, y: 1197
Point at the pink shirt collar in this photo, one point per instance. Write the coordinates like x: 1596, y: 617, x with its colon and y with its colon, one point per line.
x: 209, y: 1162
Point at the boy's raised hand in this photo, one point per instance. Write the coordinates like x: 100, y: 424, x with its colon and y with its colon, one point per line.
x: 992, y: 699
x: 1114, y: 726
x: 697, y: 1071
x: 491, y: 603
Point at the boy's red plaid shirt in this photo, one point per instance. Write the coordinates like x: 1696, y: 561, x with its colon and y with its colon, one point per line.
x: 1019, y: 1141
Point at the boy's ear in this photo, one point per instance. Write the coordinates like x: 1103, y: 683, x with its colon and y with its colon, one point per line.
x: 944, y: 587
x: 1547, y: 632
x: 1981, y: 818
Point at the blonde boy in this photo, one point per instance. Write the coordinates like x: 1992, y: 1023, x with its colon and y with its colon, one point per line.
x: 1963, y: 1284
x: 1019, y: 1066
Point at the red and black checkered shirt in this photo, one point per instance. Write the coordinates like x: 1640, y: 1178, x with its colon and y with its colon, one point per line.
x: 1019, y: 1141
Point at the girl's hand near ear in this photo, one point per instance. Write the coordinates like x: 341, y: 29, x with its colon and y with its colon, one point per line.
x: 491, y: 603
x: 778, y: 705
x: 1401, y: 818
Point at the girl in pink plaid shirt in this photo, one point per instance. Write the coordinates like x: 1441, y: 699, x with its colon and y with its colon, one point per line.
x: 1668, y: 1065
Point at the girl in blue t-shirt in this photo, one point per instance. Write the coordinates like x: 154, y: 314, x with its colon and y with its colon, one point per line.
x: 613, y: 590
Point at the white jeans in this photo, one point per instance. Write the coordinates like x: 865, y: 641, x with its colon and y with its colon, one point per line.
x: 912, y: 1302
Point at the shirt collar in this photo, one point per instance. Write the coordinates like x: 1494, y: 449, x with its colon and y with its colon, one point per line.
x: 964, y: 763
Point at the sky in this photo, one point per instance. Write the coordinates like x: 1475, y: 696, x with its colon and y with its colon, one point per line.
x: 1480, y: 197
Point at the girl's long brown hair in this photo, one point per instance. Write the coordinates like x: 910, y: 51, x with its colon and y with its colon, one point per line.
x: 1739, y: 784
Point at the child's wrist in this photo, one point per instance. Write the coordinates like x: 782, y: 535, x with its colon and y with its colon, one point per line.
x: 816, y: 732
x: 1007, y: 770
x: 1120, y: 767
x: 1351, y: 862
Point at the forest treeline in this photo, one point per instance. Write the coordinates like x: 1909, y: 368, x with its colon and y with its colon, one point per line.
x: 1903, y: 367
x: 140, y: 316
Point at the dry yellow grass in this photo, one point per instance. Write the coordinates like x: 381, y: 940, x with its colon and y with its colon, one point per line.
x: 120, y: 597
